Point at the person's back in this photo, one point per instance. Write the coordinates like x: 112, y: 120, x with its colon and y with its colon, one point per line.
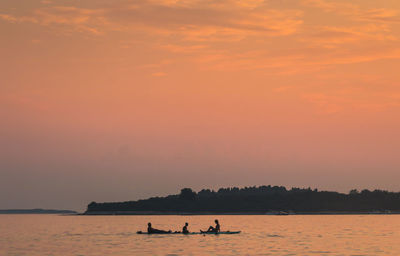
x: 217, y: 226
x: 216, y: 229
x: 150, y: 230
x: 185, y: 228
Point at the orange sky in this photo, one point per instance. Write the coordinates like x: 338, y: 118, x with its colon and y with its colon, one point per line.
x: 119, y: 100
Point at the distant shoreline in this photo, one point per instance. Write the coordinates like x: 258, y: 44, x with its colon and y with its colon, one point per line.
x: 37, y: 211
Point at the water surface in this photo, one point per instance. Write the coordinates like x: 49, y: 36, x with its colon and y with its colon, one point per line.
x: 41, y: 235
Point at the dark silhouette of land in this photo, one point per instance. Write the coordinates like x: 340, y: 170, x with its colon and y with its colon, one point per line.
x: 257, y: 200
x: 36, y: 211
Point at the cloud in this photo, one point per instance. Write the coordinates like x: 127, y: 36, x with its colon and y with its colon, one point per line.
x: 354, y: 11
x: 8, y: 17
x: 209, y: 20
x: 193, y: 20
x: 78, y: 19
x: 17, y: 19
x: 380, y: 15
x: 66, y: 18
x: 332, y: 6
x: 335, y: 36
x: 231, y: 34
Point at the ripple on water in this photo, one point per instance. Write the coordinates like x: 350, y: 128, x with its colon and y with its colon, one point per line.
x: 261, y: 235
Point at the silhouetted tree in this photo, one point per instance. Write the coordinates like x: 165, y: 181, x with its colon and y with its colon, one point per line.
x: 187, y: 194
x: 353, y: 192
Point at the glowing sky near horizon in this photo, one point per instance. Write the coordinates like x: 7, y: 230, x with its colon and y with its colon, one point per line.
x: 121, y: 100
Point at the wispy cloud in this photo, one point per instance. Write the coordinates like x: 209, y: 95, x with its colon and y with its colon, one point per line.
x: 71, y: 18
x: 232, y: 34
x: 355, y: 11
x: 196, y: 20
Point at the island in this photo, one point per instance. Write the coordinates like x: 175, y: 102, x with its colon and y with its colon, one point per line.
x: 257, y: 200
x: 36, y: 211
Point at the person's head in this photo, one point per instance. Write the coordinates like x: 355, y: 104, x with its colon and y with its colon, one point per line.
x: 149, y: 224
x: 186, y: 224
x: 216, y: 221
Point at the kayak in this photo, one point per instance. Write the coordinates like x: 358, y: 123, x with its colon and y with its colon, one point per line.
x: 191, y: 233
x: 217, y: 233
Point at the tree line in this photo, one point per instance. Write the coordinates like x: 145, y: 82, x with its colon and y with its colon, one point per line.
x: 260, y: 199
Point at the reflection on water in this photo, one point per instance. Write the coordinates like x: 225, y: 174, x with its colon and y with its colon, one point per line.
x: 261, y: 235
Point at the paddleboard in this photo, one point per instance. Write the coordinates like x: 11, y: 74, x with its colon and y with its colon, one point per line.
x: 191, y: 233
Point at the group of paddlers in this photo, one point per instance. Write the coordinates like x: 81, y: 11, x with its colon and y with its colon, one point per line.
x: 185, y: 230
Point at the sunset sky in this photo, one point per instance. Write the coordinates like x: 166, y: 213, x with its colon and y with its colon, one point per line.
x: 120, y: 100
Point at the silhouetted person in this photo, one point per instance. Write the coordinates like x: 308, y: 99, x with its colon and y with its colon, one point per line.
x: 216, y: 229
x: 151, y: 230
x: 185, y: 229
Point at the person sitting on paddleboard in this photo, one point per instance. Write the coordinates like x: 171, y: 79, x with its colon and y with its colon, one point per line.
x: 151, y: 230
x: 185, y: 229
x: 216, y: 229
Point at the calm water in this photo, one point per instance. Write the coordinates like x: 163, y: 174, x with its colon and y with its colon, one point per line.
x: 261, y: 235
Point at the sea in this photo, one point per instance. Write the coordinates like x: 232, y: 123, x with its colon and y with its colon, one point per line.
x: 57, y: 235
